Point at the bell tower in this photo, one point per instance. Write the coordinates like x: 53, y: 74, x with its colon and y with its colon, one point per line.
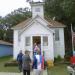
x: 37, y: 9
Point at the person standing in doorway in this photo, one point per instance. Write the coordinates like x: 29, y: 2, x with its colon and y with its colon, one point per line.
x: 19, y: 59
x: 26, y: 63
x: 38, y: 63
x: 35, y: 48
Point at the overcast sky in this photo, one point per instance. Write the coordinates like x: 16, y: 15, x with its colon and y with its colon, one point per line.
x: 6, y: 6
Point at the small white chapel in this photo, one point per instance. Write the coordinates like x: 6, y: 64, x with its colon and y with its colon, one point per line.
x: 38, y: 29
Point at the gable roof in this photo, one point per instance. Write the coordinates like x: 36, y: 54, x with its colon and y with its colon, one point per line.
x: 5, y: 43
x: 54, y: 24
x: 51, y: 23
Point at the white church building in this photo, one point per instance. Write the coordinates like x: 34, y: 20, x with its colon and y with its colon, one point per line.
x: 48, y: 33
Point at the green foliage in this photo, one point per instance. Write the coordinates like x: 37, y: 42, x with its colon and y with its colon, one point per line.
x: 68, y: 55
x: 63, y: 11
x: 10, y: 20
x: 17, y: 16
x: 45, y: 64
x: 68, y: 7
x: 53, y: 9
x: 1, y: 33
x: 58, y: 59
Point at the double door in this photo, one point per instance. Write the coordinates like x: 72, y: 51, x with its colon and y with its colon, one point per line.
x: 41, y: 41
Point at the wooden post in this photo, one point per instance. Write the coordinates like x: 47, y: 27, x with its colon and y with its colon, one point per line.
x: 72, y: 38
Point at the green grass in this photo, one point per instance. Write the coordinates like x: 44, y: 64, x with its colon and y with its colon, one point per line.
x: 56, y: 70
x: 3, y: 60
x: 60, y: 69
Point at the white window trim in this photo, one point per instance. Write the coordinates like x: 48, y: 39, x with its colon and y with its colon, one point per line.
x: 57, y: 38
x: 29, y: 41
x: 46, y: 42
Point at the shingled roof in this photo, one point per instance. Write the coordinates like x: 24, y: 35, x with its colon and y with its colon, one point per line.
x: 51, y: 23
x: 54, y: 24
x: 5, y: 43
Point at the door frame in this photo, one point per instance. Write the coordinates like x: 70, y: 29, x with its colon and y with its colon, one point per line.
x: 35, y: 42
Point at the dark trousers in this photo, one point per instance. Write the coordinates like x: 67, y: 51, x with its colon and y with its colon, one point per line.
x: 20, y: 66
x: 26, y: 72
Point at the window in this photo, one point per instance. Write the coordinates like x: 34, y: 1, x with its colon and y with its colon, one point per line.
x: 45, y: 41
x: 37, y: 9
x: 27, y: 41
x: 19, y: 37
x: 56, y: 34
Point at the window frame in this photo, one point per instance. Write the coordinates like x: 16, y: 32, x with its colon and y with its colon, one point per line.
x: 45, y: 40
x: 37, y: 9
x: 29, y: 41
x: 57, y: 35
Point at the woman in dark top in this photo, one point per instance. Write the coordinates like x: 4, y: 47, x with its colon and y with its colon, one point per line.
x: 26, y: 61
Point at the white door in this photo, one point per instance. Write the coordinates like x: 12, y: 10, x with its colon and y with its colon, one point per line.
x: 42, y: 42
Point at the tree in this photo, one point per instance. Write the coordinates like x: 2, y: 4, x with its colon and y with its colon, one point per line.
x: 10, y: 20
x: 53, y: 9
x: 64, y: 12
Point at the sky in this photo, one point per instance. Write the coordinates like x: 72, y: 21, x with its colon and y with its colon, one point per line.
x: 6, y: 6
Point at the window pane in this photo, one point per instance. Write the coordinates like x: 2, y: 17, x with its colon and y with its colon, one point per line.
x: 37, y: 9
x: 27, y: 41
x: 56, y: 34
x: 45, y: 41
x: 19, y: 38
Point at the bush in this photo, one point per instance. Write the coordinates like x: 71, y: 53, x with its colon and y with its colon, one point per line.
x: 68, y: 55
x: 58, y: 59
x: 45, y: 64
x: 50, y: 63
x: 11, y: 63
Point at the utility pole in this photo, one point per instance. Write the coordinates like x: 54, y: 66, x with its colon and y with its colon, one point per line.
x: 72, y: 34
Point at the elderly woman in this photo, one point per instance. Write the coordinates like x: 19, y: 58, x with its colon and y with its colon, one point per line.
x: 26, y: 61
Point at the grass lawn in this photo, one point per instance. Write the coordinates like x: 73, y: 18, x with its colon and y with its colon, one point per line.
x: 56, y: 70
x: 3, y: 60
x: 60, y: 69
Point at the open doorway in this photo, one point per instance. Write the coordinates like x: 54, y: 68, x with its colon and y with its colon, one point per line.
x: 37, y: 40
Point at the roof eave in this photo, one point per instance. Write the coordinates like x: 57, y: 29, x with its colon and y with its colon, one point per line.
x: 56, y: 26
x: 7, y: 44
